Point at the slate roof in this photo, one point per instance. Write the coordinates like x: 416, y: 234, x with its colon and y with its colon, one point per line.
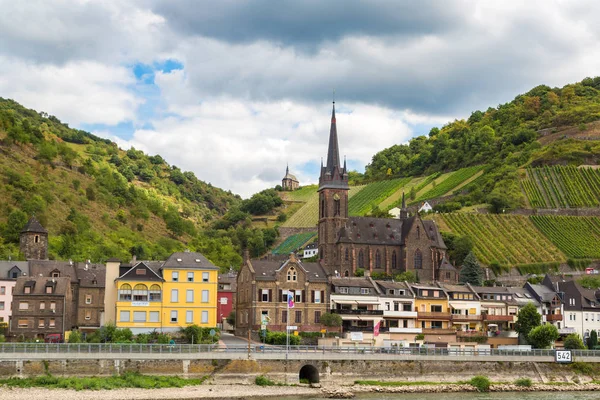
x: 446, y: 266
x: 94, y: 273
x: 368, y: 230
x: 6, y: 266
x: 130, y: 273
x: 45, y: 268
x: 520, y: 296
x: 455, y: 288
x: 188, y: 259
x: 266, y: 270
x: 332, y: 175
x: 352, y: 281
x: 434, y: 233
x: 33, y: 226
x: 39, y: 284
x: 546, y: 294
x: 386, y: 285
x: 311, y: 246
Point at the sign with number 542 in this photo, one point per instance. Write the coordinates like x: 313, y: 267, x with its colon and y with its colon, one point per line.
x: 563, y: 356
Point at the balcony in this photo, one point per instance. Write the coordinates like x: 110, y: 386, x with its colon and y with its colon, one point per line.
x: 470, y: 334
x: 400, y: 314
x: 433, y: 315
x: 406, y: 330
x: 553, y: 317
x: 498, y: 318
x: 466, y: 318
x: 438, y: 331
x: 357, y: 312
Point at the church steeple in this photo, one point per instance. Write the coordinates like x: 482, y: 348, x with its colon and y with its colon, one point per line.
x: 333, y: 175
x: 403, y: 210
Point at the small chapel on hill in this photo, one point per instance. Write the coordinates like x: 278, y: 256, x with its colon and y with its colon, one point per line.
x: 382, y: 245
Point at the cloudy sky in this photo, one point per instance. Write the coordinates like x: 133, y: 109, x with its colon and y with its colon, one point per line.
x: 233, y: 90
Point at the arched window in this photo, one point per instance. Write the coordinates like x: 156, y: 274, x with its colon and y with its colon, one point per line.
x: 322, y: 208
x: 418, y: 232
x: 377, y: 259
x: 125, y: 292
x: 347, y: 254
x: 394, y: 260
x: 336, y: 206
x: 346, y: 274
x: 292, y: 276
x: 155, y: 293
x: 361, y: 259
x: 418, y: 259
x: 140, y: 292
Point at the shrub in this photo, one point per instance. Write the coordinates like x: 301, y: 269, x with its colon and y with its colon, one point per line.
x: 481, y: 383
x: 262, y: 380
x: 525, y: 382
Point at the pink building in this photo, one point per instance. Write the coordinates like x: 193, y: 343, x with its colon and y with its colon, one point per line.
x: 9, y: 272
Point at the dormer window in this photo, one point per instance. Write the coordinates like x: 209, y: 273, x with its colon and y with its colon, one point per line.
x: 292, y: 276
x: 55, y: 274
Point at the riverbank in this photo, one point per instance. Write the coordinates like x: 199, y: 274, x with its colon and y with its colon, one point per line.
x: 221, y: 392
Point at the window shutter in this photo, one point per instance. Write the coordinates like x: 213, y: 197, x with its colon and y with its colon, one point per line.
x: 312, y: 296
x: 259, y: 294
x: 323, y: 296
x: 270, y: 294
x: 280, y: 295
x: 303, y: 296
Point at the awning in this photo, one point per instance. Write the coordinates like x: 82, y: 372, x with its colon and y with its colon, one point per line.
x: 492, y: 324
x: 353, y: 302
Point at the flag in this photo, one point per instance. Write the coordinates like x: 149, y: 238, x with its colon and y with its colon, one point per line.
x: 376, y: 329
x: 290, y: 300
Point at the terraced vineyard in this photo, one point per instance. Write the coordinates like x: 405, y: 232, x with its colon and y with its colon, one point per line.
x: 308, y: 214
x: 577, y: 237
x: 294, y: 242
x: 373, y: 194
x: 562, y: 187
x: 452, y: 181
x: 507, y: 239
x: 303, y: 194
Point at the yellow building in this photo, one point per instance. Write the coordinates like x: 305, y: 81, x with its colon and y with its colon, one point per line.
x: 163, y: 296
x: 433, y: 310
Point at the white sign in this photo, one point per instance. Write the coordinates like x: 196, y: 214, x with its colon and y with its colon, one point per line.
x: 263, y: 327
x: 356, y: 336
x: 140, y: 303
x: 292, y: 328
x: 563, y: 356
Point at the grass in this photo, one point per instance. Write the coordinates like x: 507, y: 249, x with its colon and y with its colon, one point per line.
x: 127, y: 380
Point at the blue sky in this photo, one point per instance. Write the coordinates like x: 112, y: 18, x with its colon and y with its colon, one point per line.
x: 235, y: 90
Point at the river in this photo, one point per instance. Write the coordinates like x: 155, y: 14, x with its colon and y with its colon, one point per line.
x: 473, y: 396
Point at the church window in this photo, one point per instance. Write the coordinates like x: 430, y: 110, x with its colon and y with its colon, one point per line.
x: 418, y: 259
x: 346, y: 254
x: 418, y: 232
x: 322, y: 208
x: 337, y: 206
x: 292, y: 275
x: 346, y: 274
x: 378, y: 259
x: 394, y: 260
x: 361, y: 259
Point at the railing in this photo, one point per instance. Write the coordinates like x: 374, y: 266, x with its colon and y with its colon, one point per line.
x: 438, y: 331
x: 508, y: 318
x: 463, y: 317
x: 433, y: 315
x: 471, y: 334
x: 357, y: 312
x: 98, y: 349
x: 554, y: 317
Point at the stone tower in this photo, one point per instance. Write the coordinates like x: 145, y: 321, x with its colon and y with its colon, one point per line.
x: 33, y: 241
x: 333, y: 201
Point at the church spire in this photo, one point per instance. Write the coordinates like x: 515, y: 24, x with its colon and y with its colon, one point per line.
x: 332, y: 175
x: 403, y: 210
x: 287, y: 169
x: 333, y: 154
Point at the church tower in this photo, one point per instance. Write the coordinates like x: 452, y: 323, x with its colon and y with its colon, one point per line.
x: 34, y: 241
x: 333, y: 201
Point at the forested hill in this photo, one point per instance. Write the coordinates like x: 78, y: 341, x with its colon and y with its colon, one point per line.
x: 505, y: 138
x: 96, y: 200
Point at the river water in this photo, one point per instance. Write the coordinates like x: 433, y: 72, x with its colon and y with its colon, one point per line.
x: 478, y: 396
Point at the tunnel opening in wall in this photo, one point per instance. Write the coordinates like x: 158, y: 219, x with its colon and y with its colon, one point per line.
x: 309, y: 373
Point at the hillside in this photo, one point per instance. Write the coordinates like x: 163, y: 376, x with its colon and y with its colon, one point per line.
x: 96, y: 200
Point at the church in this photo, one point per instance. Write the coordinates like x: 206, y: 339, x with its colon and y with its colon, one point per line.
x: 390, y: 246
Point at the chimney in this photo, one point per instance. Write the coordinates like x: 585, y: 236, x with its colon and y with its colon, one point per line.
x: 246, y: 254
x: 133, y: 259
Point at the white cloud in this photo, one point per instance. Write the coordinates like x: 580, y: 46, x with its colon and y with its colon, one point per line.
x: 77, y: 92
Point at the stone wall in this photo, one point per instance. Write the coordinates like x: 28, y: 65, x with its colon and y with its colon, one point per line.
x: 342, y: 371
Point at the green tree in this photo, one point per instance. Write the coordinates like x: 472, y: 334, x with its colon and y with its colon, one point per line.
x: 574, y: 342
x: 542, y: 337
x: 231, y: 318
x: 16, y: 221
x: 527, y: 319
x: 407, y: 276
x: 593, y: 340
x: 471, y: 271
x: 75, y: 336
x: 330, y: 319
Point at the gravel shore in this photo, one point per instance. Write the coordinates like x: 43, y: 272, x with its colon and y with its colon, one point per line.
x: 189, y: 392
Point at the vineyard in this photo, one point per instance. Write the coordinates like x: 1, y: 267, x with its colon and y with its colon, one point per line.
x: 577, y: 237
x: 452, y: 181
x: 303, y: 194
x: 294, y: 242
x: 505, y: 239
x: 308, y: 214
x: 373, y: 194
x: 562, y: 187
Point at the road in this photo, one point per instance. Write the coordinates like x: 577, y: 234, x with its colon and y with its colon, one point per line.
x: 230, y: 340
